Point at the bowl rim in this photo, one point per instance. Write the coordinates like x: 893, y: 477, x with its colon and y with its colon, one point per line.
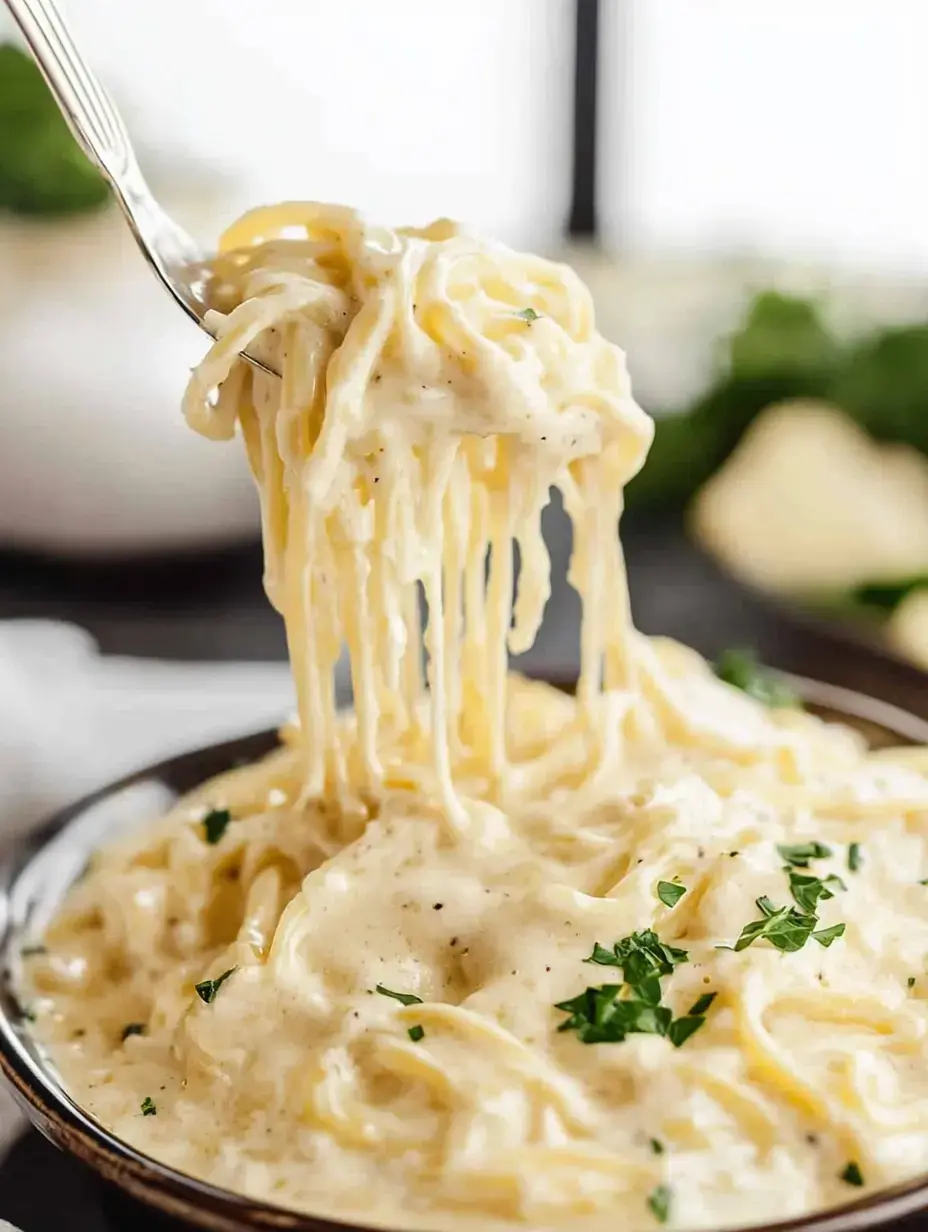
x: 53, y: 1112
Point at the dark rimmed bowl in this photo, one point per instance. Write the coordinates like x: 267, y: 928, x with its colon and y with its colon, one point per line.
x: 37, y: 872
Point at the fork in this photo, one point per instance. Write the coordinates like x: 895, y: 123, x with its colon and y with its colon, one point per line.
x: 175, y: 257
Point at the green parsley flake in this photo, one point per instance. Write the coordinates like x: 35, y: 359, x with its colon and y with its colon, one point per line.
x: 911, y: 981
x: 702, y: 1003
x: 825, y: 936
x: 149, y: 1108
x: 404, y: 998
x: 133, y: 1028
x: 33, y: 951
x: 852, y: 1174
x: 799, y: 854
x: 416, y: 1033
x: 657, y: 1147
x: 681, y: 1029
x: 206, y: 990
x: 808, y: 890
x: 609, y: 1013
x: 659, y: 1203
x: 670, y: 892
x: 528, y: 314
x: 741, y: 670
x: 214, y: 825
x: 784, y: 927
x: 854, y: 857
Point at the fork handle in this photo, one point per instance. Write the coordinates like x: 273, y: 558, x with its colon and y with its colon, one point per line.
x: 86, y: 106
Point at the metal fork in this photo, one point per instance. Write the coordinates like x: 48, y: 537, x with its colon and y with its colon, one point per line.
x: 175, y: 257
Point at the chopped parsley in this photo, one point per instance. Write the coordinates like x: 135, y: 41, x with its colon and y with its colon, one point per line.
x: 741, y: 669
x: 681, y: 1029
x: 657, y: 1147
x: 640, y: 955
x: 528, y: 314
x: 608, y: 1014
x: 416, y: 1033
x: 799, y: 854
x: 404, y: 998
x: 670, y: 892
x: 852, y: 1174
x: 214, y: 825
x: 825, y: 936
x: 149, y: 1108
x: 911, y: 981
x: 133, y: 1028
x: 206, y: 990
x: 854, y: 857
x: 702, y: 1003
x: 659, y: 1203
x: 784, y: 927
x: 33, y: 951
x: 808, y: 890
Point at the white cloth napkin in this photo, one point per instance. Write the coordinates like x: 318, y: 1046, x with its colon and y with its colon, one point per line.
x: 71, y: 720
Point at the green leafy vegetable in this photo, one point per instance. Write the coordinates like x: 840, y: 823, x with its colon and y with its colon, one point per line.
x: 883, y: 385
x: 670, y: 892
x: 886, y: 596
x: 149, y: 1108
x: 701, y: 1004
x: 42, y: 169
x: 681, y: 1029
x: 910, y: 982
x: 854, y: 857
x: 799, y: 854
x: 641, y: 952
x: 657, y: 1147
x: 206, y: 990
x: 659, y: 1203
x: 33, y: 951
x: 404, y: 998
x: 599, y: 1016
x: 529, y: 314
x: 784, y: 927
x: 781, y: 350
x: 416, y: 1033
x: 133, y: 1028
x: 215, y: 823
x: 852, y: 1174
x: 808, y: 890
x: 783, y: 335
x: 741, y: 669
x: 825, y: 936
x: 612, y: 1012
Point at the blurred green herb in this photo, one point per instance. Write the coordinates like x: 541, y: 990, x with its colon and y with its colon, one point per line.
x: 741, y: 669
x: 659, y: 1203
x: 43, y: 171
x: 214, y: 824
x: 781, y: 350
x: 887, y: 595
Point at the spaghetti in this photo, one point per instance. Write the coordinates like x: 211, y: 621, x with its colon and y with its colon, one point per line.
x: 477, y: 953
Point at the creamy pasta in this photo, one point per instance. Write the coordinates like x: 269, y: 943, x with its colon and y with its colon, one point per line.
x: 477, y: 953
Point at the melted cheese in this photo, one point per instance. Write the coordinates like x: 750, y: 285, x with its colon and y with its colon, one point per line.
x: 464, y: 837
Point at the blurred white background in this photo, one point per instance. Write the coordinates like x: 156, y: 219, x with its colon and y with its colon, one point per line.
x: 797, y: 128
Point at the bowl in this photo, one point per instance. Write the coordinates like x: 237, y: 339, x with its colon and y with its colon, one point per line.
x: 37, y: 872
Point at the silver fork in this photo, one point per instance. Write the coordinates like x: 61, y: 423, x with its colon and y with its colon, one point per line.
x: 175, y: 257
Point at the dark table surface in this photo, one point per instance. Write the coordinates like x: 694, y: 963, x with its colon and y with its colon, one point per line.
x: 212, y: 606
